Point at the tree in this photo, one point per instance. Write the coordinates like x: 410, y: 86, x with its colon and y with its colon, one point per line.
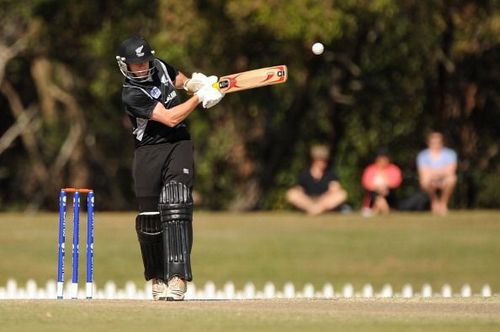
x: 392, y: 71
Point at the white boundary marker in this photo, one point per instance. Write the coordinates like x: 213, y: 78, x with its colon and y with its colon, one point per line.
x: 249, y: 291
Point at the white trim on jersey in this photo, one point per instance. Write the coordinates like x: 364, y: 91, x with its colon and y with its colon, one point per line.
x: 141, y: 123
x: 165, y: 75
x: 141, y: 128
x: 138, y: 87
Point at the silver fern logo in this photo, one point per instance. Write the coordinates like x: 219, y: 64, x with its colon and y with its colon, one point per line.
x: 138, y: 51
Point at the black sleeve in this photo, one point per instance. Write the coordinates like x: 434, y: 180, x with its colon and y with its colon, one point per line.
x: 331, y: 176
x: 172, y: 72
x: 303, y: 179
x: 138, y: 103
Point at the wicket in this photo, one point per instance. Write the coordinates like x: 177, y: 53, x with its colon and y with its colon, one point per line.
x: 76, y: 242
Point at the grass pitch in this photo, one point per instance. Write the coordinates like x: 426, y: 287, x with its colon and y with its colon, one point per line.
x: 401, y: 248
x: 279, y: 247
x: 259, y: 315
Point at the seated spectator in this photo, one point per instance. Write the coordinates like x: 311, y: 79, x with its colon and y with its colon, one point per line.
x: 379, y: 180
x: 437, y: 168
x: 318, y: 190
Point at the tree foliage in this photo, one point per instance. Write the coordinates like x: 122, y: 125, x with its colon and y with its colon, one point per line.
x: 392, y: 70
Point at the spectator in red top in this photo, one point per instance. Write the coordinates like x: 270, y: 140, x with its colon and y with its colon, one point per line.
x: 379, y: 180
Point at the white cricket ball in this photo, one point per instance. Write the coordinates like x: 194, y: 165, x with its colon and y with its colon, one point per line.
x: 318, y: 48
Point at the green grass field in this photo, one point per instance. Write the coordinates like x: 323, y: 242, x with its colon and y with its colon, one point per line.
x: 280, y: 247
x: 258, y: 315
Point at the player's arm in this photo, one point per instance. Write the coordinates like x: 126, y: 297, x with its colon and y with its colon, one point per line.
x: 175, y: 115
x: 208, y: 96
x: 180, y: 80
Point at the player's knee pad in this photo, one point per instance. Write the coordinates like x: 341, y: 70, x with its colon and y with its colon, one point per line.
x: 150, y: 235
x: 176, y: 212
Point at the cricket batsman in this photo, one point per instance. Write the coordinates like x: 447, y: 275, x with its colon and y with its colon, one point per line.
x: 163, y: 164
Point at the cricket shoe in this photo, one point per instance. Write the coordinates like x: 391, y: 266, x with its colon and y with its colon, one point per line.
x: 159, y: 289
x: 176, y: 289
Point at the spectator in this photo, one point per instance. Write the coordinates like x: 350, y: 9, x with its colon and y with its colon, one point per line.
x: 318, y: 190
x: 379, y: 180
x: 437, y: 168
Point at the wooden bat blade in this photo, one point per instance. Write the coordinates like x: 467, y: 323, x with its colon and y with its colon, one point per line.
x: 252, y: 79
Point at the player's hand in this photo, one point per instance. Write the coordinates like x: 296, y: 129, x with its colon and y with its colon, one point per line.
x: 208, y: 95
x: 196, y: 82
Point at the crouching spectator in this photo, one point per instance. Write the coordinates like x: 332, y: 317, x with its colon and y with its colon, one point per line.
x: 318, y: 188
x: 380, y: 179
x: 437, y: 167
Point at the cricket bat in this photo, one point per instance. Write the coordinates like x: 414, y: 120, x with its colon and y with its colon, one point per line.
x: 252, y: 79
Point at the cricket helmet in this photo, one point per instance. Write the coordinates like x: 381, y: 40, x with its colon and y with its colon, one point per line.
x: 135, y: 50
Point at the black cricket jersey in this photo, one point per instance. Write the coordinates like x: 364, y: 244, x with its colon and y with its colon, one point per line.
x: 315, y: 187
x: 140, y: 98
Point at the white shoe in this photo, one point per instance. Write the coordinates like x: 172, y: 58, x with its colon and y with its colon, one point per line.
x: 159, y: 289
x: 176, y: 289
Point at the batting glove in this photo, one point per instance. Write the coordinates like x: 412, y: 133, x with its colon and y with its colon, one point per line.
x: 196, y: 82
x: 208, y: 95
